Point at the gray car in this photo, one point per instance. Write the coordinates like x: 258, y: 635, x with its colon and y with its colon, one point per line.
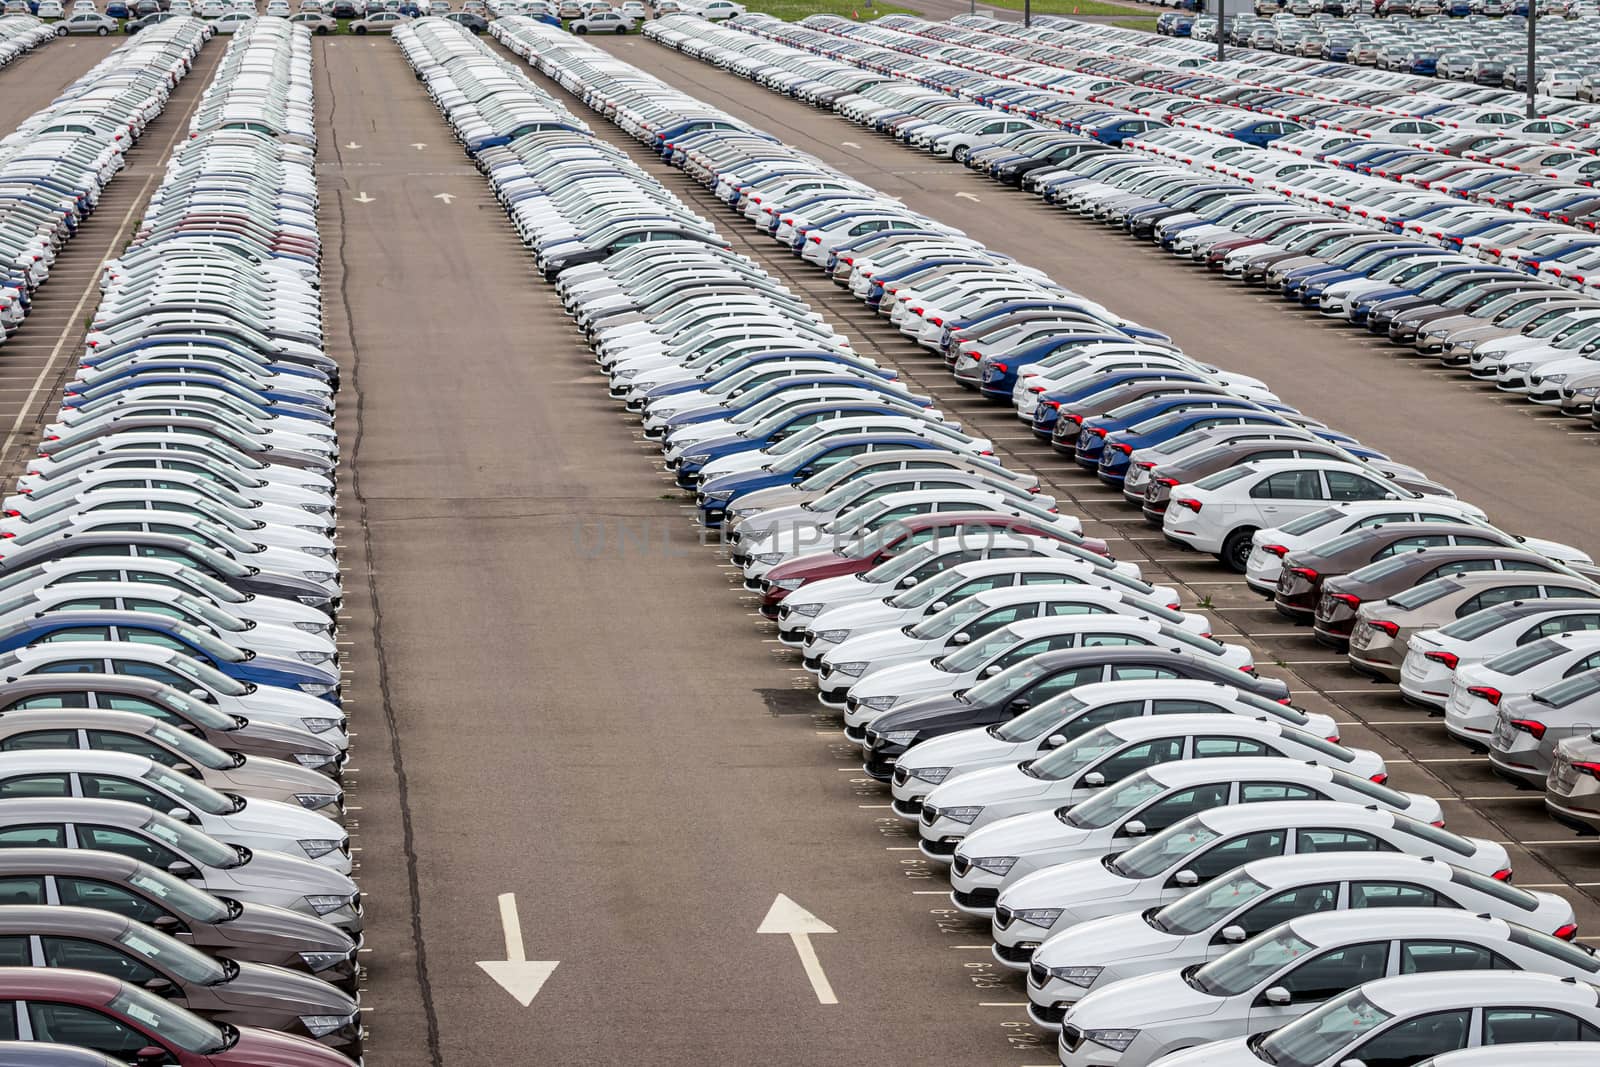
x: 89, y: 22
x: 1530, y: 727
x: 216, y: 925
x: 316, y: 22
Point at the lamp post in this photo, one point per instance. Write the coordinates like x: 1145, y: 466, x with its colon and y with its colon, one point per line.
x: 1533, y: 22
x: 1027, y: 13
x: 1222, y: 32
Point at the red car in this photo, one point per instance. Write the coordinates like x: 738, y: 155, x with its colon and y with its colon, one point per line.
x: 128, y: 1024
x: 785, y: 578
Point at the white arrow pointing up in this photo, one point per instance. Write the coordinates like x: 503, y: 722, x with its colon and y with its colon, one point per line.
x: 363, y: 198
x: 352, y: 144
x: 419, y: 147
x: 787, y: 917
x: 517, y: 975
x: 446, y: 197
x: 968, y: 196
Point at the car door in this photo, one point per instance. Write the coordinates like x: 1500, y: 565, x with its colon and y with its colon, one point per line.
x: 1302, y: 986
x: 73, y: 1024
x: 1286, y: 495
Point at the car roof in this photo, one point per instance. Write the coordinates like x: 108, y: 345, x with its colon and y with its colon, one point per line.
x: 1415, y: 993
x: 1323, y: 928
x: 39, y: 1054
x: 57, y: 983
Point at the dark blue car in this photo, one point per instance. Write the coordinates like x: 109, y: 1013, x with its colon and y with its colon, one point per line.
x: 774, y: 430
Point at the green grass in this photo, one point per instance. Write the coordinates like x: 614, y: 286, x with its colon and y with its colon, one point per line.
x: 1067, y: 7
x: 795, y: 10
x: 1148, y: 25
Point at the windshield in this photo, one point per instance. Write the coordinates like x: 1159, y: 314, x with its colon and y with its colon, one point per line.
x: 1315, y: 1038
x: 171, y: 1023
x: 209, y: 677
x: 1071, y: 759
x: 202, y: 848
x: 1007, y: 682
x: 1223, y: 477
x: 212, y: 615
x: 1520, y: 659
x: 187, y: 789
x: 1205, y: 907
x: 1150, y: 858
x: 1480, y: 622
x: 1033, y: 723
x: 949, y: 620
x: 929, y: 590
x: 892, y: 570
x: 1314, y: 521
x: 185, y: 899
x: 975, y: 655
x: 1115, y: 803
x: 191, y: 747
x: 1250, y: 964
x: 1571, y: 690
x: 173, y: 956
x: 1424, y: 594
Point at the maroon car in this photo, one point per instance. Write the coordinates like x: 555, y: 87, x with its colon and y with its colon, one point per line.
x: 127, y: 1023
x: 861, y: 556
x: 1304, y: 570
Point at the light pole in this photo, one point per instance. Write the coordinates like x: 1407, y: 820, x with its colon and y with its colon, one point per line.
x: 1533, y: 21
x: 1027, y: 13
x: 1222, y: 33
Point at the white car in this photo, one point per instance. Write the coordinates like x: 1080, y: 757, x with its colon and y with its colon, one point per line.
x: 614, y: 22
x: 1189, y: 927
x: 842, y: 665
x: 49, y: 9
x: 1549, y: 1053
x: 715, y: 10
x: 1221, y: 513
x: 1402, y: 1018
x: 229, y: 817
x: 1286, y: 972
x: 1269, y: 546
x: 1147, y: 803
x: 1476, y: 689
x: 987, y: 656
x: 278, y: 8
x: 1068, y: 716
x: 1427, y: 672
x: 1103, y: 757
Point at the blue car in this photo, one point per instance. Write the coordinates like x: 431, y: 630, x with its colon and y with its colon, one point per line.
x: 1048, y: 412
x: 714, y: 497
x: 259, y: 400
x: 640, y: 402
x: 1096, y: 431
x: 774, y: 430
x: 749, y: 398
x: 149, y: 628
x: 997, y: 374
x: 1113, y: 451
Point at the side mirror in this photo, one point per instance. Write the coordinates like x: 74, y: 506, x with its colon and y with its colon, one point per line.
x: 186, y: 769
x: 1134, y: 828
x: 201, y: 695
x: 908, y: 581
x: 1234, y: 934
x: 1021, y: 704
x: 962, y: 638
x: 160, y: 986
x: 179, y: 813
x: 153, y: 1056
x: 1186, y: 877
x: 165, y: 923
x: 1093, y: 780
x: 990, y: 671
x: 182, y: 869
x: 1277, y: 996
x: 1055, y: 740
x: 937, y: 606
x: 1352, y: 1062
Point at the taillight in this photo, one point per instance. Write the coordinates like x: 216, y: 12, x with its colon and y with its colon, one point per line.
x: 1126, y: 450
x: 1348, y: 599
x: 1305, y: 572
x: 1004, y: 368
x: 1190, y: 503
x: 1586, y: 767
x: 1533, y: 727
x: 1168, y: 482
x: 1503, y: 874
x: 1567, y: 932
x: 1487, y: 692
x: 1449, y: 659
x: 1277, y: 550
x: 814, y: 239
x: 1390, y: 628
x: 13, y: 514
x: 1437, y: 824
x: 1094, y: 430
x: 1381, y: 777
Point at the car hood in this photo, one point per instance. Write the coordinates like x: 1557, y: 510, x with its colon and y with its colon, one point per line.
x: 1161, y: 998
x: 268, y: 1048
x: 263, y: 924
x: 276, y: 817
x: 1233, y: 1052
x: 261, y: 987
x: 1102, y: 942
x: 992, y: 785
x: 911, y: 681
x: 1039, y: 831
x: 878, y: 644
x: 838, y: 591
x: 967, y: 746
x: 280, y: 872
x: 1070, y: 885
x: 264, y: 775
x: 858, y: 616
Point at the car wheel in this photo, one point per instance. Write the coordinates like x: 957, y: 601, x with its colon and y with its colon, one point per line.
x: 621, y: 30
x: 960, y: 154
x: 101, y: 32
x: 322, y: 31
x: 361, y: 31
x: 1236, y: 549
x: 580, y: 29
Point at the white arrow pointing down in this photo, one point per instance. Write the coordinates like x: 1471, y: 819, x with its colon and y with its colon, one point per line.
x: 517, y: 975
x: 787, y: 917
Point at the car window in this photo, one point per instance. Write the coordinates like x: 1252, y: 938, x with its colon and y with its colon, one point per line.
x: 1343, y: 485
x: 1288, y: 485
x: 69, y: 1024
x: 35, y: 785
x: 93, y: 956
x: 1412, y: 544
x: 40, y: 739
x: 112, y: 839
x: 1138, y: 757
x: 1523, y: 565
x: 1140, y: 674
x: 1516, y: 1026
x: 1225, y: 857
x: 18, y: 889
x: 1336, y: 971
x: 104, y: 896
x: 116, y: 741
x: 1566, y: 590
x: 1213, y: 747
x: 112, y: 787
x: 1384, y: 519
x: 1261, y: 792
x: 1394, y: 895
x: 41, y: 836
x: 1177, y: 806
x: 76, y: 633
x: 1329, y: 840
x: 1499, y: 595
x: 1422, y: 957
x: 1414, y: 1040
x: 14, y: 952
x: 1563, y: 624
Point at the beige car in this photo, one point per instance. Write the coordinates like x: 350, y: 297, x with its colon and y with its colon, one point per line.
x: 1390, y: 623
x: 379, y: 22
x: 129, y: 731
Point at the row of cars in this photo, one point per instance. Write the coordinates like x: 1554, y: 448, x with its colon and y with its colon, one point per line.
x: 174, y: 871
x: 1398, y: 542
x: 19, y: 35
x: 1499, y: 228
x: 1085, y: 718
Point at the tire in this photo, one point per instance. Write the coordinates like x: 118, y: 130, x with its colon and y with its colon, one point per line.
x: 1236, y: 549
x: 361, y: 31
x: 960, y: 154
x: 580, y: 30
x: 321, y: 31
x: 101, y: 32
x: 621, y: 31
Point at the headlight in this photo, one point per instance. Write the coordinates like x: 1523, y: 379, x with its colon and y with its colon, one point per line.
x: 313, y: 801
x: 321, y: 1025
x: 852, y: 669
x: 1083, y: 977
x: 996, y: 865
x: 1115, y: 1040
x: 931, y: 775
x: 883, y: 703
x: 311, y: 627
x: 317, y: 846
x: 1041, y: 917
x: 770, y: 559
x: 313, y: 759
x: 319, y: 725
x: 1589, y: 390
x: 832, y: 637
x: 721, y: 496
x: 1555, y: 378
x: 321, y: 576
x: 811, y: 611
x: 321, y: 961
x: 314, y: 601
x: 1469, y: 346
x: 698, y: 458
x: 316, y: 689
x: 1518, y: 367
x: 631, y: 372
x: 961, y: 815
x: 317, y: 509
x: 314, y: 657
x: 790, y: 584
x: 322, y: 905
x: 318, y: 551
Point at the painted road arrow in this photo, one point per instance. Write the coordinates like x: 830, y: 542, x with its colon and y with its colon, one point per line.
x: 968, y: 196
x: 352, y: 144
x: 419, y: 147
x: 787, y: 917
x: 446, y: 197
x: 363, y: 198
x: 517, y: 975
